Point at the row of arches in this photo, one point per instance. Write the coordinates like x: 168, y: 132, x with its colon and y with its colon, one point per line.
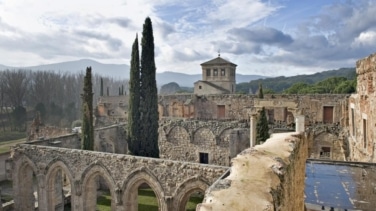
x: 49, y: 187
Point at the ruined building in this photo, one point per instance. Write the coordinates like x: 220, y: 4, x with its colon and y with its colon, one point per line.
x: 200, y: 136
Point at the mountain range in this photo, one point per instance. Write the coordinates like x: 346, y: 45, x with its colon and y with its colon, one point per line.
x: 121, y: 71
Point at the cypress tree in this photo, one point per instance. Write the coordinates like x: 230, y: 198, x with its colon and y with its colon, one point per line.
x: 101, y: 92
x: 262, y: 128
x: 87, y: 139
x: 260, y: 92
x: 134, y: 101
x: 148, y: 95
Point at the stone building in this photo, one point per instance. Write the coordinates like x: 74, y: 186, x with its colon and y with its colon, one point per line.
x: 362, y: 112
x: 218, y: 77
x: 111, y: 109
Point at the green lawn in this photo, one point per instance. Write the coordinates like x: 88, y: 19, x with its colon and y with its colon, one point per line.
x: 146, y: 201
x: 5, y: 145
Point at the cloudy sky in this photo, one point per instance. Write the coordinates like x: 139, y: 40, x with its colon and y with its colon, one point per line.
x: 272, y: 37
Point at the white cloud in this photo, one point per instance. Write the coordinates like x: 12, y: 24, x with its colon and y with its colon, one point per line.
x: 189, y: 32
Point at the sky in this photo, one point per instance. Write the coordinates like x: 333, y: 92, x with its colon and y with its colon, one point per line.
x: 271, y: 37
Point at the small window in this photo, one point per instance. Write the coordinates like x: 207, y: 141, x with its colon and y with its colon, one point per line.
x: 215, y: 72
x: 204, y: 158
x: 223, y: 72
x: 325, y: 152
x: 232, y: 72
x: 207, y: 72
x: 199, y: 87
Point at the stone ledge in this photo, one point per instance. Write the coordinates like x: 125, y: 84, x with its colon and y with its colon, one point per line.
x: 266, y: 177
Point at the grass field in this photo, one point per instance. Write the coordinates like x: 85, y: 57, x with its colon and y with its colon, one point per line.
x: 146, y: 201
x: 5, y: 145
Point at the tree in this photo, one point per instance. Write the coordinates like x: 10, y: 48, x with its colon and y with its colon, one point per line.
x: 262, y: 128
x: 134, y: 101
x: 148, y: 95
x: 87, y: 139
x: 101, y: 91
x: 260, y: 93
x: 19, y: 118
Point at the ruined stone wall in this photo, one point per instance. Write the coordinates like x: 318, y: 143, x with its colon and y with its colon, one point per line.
x: 184, y: 140
x: 172, y: 181
x: 282, y: 108
x: 111, y: 139
x: 266, y: 177
x: 40, y: 131
x: 362, y: 112
x: 107, y: 139
x: 71, y: 141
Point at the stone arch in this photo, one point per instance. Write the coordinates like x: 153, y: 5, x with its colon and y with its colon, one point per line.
x: 132, y: 183
x: 324, y: 145
x: 203, y: 136
x: 184, y: 191
x: 222, y: 137
x: 89, y: 185
x: 183, y: 132
x: 24, y: 198
x: 54, y: 170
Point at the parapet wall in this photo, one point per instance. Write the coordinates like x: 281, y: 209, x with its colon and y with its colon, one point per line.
x: 266, y: 177
x: 362, y: 112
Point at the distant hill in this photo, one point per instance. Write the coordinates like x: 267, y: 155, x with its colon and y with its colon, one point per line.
x: 278, y: 84
x: 188, y: 80
x: 121, y: 71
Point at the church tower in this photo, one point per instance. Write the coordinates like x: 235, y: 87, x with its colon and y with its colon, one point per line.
x: 218, y: 77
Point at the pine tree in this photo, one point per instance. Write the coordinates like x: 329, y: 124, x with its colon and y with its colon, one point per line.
x: 262, y: 128
x: 260, y: 92
x: 148, y: 95
x: 87, y: 140
x: 134, y: 101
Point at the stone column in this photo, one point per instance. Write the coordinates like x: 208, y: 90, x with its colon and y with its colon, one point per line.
x: 252, y: 130
x: 299, y: 123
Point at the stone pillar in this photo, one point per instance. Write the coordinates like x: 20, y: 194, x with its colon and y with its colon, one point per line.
x: 299, y: 123
x: 252, y: 130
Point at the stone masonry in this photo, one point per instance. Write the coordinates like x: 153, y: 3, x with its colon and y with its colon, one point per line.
x: 362, y: 112
x: 185, y: 140
x: 172, y: 181
x: 264, y: 177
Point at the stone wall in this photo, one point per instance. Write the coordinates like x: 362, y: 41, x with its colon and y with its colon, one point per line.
x: 362, y: 112
x: 111, y: 139
x: 172, y: 181
x: 184, y: 140
x: 45, y: 132
x: 264, y: 177
x: 281, y: 108
x: 107, y: 139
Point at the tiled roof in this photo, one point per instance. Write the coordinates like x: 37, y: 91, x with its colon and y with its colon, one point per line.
x: 217, y: 60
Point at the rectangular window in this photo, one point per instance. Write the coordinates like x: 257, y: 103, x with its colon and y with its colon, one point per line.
x: 365, y: 133
x: 204, y: 158
x: 215, y: 72
x: 328, y: 114
x: 221, y: 111
x: 199, y: 87
x: 325, y: 152
x: 207, y: 72
x: 232, y: 72
x: 223, y: 72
